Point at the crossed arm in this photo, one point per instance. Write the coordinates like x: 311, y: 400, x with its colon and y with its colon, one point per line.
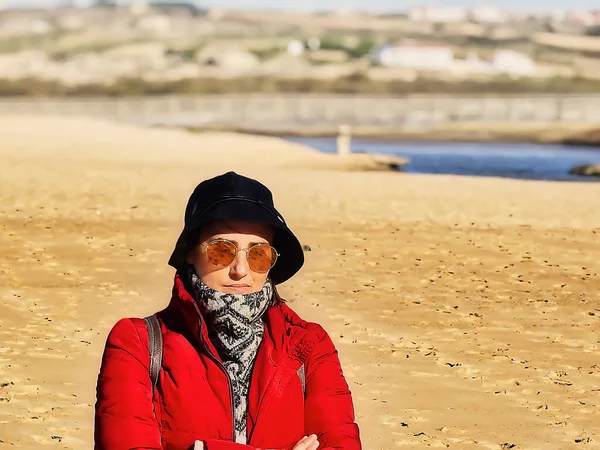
x: 306, y: 443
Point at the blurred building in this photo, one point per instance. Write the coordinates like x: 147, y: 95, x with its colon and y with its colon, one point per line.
x: 295, y: 48
x: 416, y: 55
x: 512, y: 62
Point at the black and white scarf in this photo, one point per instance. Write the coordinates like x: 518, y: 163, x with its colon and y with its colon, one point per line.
x: 236, y: 329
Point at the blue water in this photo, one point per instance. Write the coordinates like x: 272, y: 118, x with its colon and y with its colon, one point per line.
x: 525, y: 161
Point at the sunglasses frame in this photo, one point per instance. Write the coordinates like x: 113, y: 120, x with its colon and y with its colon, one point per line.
x: 247, y: 250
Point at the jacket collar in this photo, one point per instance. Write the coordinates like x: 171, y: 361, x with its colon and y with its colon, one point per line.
x: 183, y: 302
x: 286, y: 333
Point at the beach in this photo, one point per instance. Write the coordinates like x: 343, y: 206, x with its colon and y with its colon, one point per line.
x: 466, y: 310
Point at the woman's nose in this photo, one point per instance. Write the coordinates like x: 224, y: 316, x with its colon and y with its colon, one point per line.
x: 239, y: 268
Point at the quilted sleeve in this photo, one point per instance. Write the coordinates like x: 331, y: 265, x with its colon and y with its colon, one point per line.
x: 329, y: 410
x: 124, y: 416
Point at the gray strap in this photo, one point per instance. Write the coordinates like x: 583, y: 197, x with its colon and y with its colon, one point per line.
x: 302, y: 376
x: 156, y: 348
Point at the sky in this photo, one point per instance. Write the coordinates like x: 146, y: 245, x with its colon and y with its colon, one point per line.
x: 374, y: 5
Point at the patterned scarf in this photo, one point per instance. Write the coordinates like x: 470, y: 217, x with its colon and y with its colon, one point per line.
x: 236, y: 329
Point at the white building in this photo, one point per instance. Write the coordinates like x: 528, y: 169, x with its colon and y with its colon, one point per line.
x: 513, y: 63
x: 295, y: 48
x: 415, y: 55
x: 438, y: 14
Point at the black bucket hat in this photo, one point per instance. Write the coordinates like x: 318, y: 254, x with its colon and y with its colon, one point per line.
x: 234, y: 197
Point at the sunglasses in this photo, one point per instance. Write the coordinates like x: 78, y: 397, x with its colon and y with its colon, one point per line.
x: 221, y: 253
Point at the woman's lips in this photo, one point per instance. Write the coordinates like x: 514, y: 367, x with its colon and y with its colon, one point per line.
x: 238, y: 287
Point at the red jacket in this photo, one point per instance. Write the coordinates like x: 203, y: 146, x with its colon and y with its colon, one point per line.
x: 193, y: 400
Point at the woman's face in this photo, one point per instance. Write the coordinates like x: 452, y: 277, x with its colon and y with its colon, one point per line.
x: 238, y: 277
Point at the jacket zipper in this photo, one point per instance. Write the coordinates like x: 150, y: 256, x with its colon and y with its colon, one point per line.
x: 220, y: 364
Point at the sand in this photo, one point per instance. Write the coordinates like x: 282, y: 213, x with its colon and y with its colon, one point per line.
x: 466, y: 310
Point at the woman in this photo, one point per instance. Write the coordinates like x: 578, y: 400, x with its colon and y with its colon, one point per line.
x: 240, y: 370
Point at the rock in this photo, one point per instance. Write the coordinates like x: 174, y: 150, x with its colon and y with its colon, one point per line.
x: 386, y: 162
x: 371, y: 162
x: 589, y: 170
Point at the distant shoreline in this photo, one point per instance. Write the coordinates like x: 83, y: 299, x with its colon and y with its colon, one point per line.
x: 576, y: 134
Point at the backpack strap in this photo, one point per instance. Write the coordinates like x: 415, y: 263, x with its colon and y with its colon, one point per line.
x: 302, y: 376
x: 155, y: 345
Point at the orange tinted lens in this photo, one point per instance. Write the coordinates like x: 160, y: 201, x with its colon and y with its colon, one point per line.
x: 261, y: 258
x: 221, y: 253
